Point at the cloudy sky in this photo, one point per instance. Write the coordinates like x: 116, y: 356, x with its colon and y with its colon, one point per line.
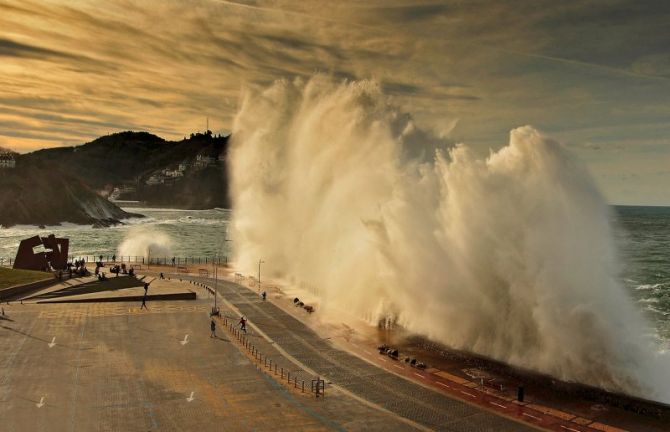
x: 594, y: 74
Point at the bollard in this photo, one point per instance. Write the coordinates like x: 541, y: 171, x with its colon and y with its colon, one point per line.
x: 303, y: 386
x: 282, y: 373
x: 266, y: 357
x: 520, y: 394
x: 275, y: 368
x: 295, y: 382
x: 288, y: 375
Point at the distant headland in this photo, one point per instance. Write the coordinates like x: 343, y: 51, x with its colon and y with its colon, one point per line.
x: 81, y: 184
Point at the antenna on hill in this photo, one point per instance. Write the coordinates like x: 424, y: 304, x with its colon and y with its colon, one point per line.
x: 207, y: 124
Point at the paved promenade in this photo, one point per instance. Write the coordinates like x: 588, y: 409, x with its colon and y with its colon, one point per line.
x: 414, y: 402
x: 114, y: 367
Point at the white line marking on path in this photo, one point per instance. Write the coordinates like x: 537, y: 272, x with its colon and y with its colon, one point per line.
x: 384, y: 360
x: 442, y: 384
x: 185, y: 341
x: 532, y: 416
x: 419, y: 375
x: 53, y: 342
x: 190, y: 398
x: 498, y: 405
x: 41, y: 404
x: 469, y: 394
x: 570, y: 429
x: 399, y: 367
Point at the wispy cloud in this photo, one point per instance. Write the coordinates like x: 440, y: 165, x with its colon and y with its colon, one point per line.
x: 586, y: 71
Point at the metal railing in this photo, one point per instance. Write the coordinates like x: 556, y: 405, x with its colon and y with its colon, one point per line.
x: 167, y: 261
x: 315, y: 386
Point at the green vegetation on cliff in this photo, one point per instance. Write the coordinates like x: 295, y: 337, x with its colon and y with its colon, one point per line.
x: 129, y: 160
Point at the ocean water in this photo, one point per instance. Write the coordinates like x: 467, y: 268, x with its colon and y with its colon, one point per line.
x: 643, y: 237
x: 644, y: 244
x: 186, y: 233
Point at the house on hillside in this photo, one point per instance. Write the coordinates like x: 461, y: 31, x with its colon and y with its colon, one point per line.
x: 118, y: 192
x: 7, y: 160
x: 155, y: 180
x: 202, y: 161
x: 172, y: 173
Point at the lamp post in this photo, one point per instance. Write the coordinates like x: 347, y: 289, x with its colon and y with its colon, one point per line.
x: 259, y: 274
x: 148, y: 257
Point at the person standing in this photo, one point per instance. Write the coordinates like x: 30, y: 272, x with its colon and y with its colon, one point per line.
x: 212, y: 327
x: 144, y: 302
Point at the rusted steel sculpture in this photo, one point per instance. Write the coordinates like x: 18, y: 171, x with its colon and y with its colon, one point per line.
x: 53, y: 256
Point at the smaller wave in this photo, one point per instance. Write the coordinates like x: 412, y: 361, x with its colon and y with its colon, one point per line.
x: 648, y: 287
x: 657, y: 310
x: 162, y: 209
x: 141, y: 241
x: 200, y: 221
x: 648, y: 300
x: 138, y: 221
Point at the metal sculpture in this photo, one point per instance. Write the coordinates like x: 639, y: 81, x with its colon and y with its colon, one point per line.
x: 54, y: 255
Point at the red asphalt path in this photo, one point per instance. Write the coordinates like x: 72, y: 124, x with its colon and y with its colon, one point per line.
x: 469, y: 392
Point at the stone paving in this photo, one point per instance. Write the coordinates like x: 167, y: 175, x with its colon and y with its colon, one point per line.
x: 114, y: 367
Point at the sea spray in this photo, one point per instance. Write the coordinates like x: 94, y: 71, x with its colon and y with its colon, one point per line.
x: 142, y: 241
x: 510, y: 256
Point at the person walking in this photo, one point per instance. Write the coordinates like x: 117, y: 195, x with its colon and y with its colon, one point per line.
x: 212, y: 327
x: 243, y: 324
x: 146, y: 288
x: 144, y: 302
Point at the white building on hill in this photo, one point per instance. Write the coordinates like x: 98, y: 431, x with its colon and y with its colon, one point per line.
x: 7, y: 160
x: 202, y: 161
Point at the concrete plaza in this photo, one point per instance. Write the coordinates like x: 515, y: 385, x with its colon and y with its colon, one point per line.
x: 114, y: 367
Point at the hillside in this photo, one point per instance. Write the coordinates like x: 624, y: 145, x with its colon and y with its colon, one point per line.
x: 135, y: 163
x: 40, y: 195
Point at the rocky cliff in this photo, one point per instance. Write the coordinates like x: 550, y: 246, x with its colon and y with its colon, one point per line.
x: 37, y: 194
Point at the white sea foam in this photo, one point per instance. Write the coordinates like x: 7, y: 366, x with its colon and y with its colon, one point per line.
x: 142, y: 241
x: 510, y: 256
x: 648, y: 300
x: 648, y: 287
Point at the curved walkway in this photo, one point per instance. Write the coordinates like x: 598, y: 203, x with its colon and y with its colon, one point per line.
x: 382, y: 388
